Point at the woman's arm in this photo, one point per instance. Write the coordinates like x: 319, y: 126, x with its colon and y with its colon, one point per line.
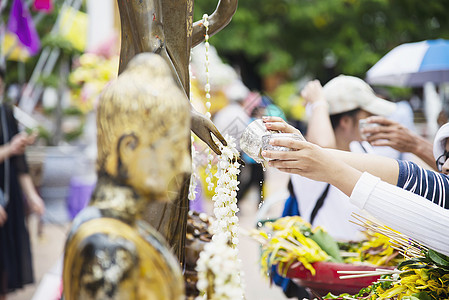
x: 403, y: 211
x: 319, y: 128
x: 383, y: 167
x: 325, y: 162
x: 3, y: 216
x: 34, y: 200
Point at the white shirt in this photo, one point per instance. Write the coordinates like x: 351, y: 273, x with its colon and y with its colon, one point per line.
x: 408, y: 213
x: 335, y: 213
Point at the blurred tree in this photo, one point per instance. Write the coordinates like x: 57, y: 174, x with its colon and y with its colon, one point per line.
x: 324, y: 38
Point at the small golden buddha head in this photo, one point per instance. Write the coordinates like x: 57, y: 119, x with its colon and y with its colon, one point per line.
x: 143, y: 123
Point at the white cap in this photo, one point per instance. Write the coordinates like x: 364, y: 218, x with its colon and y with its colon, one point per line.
x: 346, y: 93
x: 439, y: 143
x: 236, y: 91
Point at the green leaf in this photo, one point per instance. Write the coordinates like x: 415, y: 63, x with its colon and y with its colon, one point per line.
x: 420, y: 296
x: 438, y: 258
x: 410, y: 263
x: 328, y: 244
x: 332, y: 296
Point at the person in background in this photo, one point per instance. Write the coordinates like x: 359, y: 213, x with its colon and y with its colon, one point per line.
x: 334, y: 113
x: 233, y: 119
x: 397, y: 136
x: 15, y: 253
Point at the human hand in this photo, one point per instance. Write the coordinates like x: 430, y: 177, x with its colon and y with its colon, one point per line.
x: 313, y: 92
x: 390, y: 133
x: 278, y: 124
x: 305, y: 159
x: 312, y: 161
x: 31, y: 137
x: 18, y: 144
x: 3, y: 216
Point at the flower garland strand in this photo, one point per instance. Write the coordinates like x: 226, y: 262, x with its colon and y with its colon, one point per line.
x: 219, y: 273
x: 210, y: 157
x: 225, y: 198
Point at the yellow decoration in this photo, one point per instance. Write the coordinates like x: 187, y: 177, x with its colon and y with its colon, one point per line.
x: 415, y: 281
x: 91, y: 77
x: 73, y: 27
x: 12, y: 48
x: 378, y: 241
x: 288, y: 245
x: 202, y: 172
x: 199, y: 95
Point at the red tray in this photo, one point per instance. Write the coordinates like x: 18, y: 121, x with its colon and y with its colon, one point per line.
x: 327, y: 280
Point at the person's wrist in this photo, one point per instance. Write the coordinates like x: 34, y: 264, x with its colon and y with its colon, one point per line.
x: 420, y: 145
x: 318, y: 103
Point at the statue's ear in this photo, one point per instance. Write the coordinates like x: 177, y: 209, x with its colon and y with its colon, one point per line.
x: 125, y: 150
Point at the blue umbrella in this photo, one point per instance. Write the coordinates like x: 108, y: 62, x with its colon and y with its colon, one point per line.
x: 412, y: 64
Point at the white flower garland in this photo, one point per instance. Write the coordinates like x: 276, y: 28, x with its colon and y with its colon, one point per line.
x: 219, y: 273
x: 225, y: 198
x: 210, y: 157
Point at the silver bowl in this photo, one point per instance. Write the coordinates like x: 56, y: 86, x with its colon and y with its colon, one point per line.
x: 255, y: 139
x: 266, y: 141
x: 251, y: 140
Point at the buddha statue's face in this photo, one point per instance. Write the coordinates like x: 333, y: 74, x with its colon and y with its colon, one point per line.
x: 155, y: 168
x: 143, y: 123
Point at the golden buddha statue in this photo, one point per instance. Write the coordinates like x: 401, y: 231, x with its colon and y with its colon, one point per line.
x: 166, y: 27
x: 143, y: 137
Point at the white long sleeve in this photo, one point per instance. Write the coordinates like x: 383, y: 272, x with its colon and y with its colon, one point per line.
x: 403, y: 211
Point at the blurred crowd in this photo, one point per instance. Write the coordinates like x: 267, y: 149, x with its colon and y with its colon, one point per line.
x: 363, y: 153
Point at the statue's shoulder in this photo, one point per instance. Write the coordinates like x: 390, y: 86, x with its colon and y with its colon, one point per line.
x: 99, y: 260
x: 107, y: 258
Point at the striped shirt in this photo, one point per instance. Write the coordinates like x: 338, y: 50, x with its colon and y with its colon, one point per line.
x: 428, y: 184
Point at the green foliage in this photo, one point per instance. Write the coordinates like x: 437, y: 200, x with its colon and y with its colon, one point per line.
x: 73, y: 135
x: 44, y: 134
x: 347, y: 36
x: 73, y: 111
x: 49, y: 80
x: 432, y: 259
x: 328, y: 244
x: 56, y: 41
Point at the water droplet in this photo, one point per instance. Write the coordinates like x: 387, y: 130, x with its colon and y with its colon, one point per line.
x: 259, y: 224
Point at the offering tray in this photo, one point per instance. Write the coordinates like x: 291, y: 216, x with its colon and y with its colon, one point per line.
x: 327, y: 280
